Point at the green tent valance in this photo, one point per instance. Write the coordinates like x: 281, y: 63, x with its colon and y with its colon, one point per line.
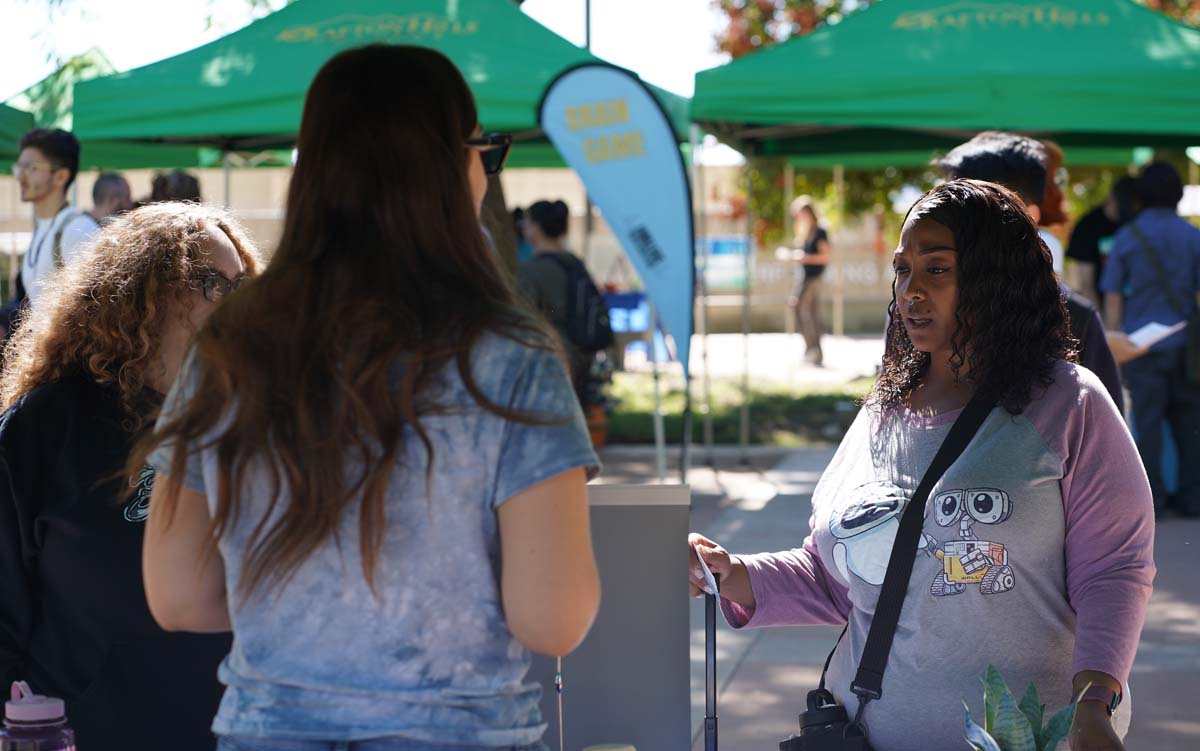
x: 873, y: 161
x: 14, y: 123
x: 247, y: 89
x: 49, y: 104
x: 921, y: 75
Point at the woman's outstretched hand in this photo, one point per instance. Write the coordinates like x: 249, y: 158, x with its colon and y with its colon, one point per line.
x: 731, y: 575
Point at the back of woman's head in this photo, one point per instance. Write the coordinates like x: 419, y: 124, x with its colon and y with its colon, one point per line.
x: 381, y: 280
x: 1012, y: 323
x: 551, y: 217
x: 105, y: 314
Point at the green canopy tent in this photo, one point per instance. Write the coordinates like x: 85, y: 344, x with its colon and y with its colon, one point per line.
x: 49, y: 102
x: 14, y: 123
x: 909, y: 78
x: 925, y: 74
x: 246, y: 90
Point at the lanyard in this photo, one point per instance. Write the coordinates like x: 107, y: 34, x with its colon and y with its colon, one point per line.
x: 35, y: 248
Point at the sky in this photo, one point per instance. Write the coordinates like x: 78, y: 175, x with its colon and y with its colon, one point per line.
x: 664, y: 41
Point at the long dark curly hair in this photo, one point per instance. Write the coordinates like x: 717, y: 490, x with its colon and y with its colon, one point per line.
x: 1012, y: 319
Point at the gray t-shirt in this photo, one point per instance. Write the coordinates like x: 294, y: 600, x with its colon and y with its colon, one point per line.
x: 432, y: 658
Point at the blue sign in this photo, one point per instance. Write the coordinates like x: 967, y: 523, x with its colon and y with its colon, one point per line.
x: 628, y: 312
x: 614, y: 134
x: 725, y: 262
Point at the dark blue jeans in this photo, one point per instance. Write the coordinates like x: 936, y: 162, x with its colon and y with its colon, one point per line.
x: 237, y: 743
x: 1159, y: 390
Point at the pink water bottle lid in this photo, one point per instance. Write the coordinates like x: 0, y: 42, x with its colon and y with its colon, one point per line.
x: 27, y: 706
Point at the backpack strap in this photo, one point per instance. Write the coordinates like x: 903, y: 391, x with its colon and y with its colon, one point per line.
x: 564, y: 260
x: 72, y: 215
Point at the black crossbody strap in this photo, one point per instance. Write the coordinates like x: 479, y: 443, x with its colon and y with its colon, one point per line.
x: 868, y: 683
x: 1156, y: 264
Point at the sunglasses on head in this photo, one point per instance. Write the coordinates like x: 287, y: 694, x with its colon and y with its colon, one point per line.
x: 493, y: 150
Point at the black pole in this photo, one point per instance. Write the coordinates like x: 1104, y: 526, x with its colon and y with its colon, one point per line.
x: 710, y: 677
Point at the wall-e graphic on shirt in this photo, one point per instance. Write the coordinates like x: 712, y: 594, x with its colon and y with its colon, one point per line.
x: 970, y: 560
x: 865, y: 531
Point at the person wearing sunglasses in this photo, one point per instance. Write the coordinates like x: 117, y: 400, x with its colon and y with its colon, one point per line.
x: 493, y: 150
x: 1053, y: 206
x: 85, y: 375
x: 45, y: 168
x: 373, y: 468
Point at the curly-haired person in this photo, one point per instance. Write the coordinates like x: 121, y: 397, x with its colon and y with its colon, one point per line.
x: 85, y: 374
x: 1036, y: 550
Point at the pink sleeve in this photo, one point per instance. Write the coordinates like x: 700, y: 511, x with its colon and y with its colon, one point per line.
x: 1109, y: 520
x: 791, y: 588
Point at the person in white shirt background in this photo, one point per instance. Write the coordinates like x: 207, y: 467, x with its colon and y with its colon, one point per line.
x: 45, y: 168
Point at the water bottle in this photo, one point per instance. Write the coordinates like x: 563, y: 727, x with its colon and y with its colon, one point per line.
x: 35, y: 723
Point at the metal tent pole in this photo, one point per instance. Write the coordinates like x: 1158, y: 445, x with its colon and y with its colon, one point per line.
x: 744, y: 426
x: 660, y: 436
x: 227, y: 169
x: 701, y: 218
x: 839, y: 286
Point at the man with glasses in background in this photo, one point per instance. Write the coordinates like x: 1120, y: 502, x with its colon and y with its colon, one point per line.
x: 45, y: 169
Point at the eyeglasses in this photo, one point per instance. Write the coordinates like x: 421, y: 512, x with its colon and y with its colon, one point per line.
x: 493, y: 150
x: 20, y: 167
x: 1062, y: 177
x: 214, y: 285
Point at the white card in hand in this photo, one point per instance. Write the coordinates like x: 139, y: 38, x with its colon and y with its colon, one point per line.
x: 709, y: 579
x: 1153, y: 333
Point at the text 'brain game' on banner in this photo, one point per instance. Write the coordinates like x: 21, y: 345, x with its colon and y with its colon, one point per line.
x: 609, y: 129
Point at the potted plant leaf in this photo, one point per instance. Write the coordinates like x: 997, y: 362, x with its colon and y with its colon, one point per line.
x: 1011, y: 725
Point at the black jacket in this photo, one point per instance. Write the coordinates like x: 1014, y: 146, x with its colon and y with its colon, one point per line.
x: 1094, y: 352
x: 73, y: 615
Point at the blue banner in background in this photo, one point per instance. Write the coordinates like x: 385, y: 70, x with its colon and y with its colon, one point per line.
x: 613, y: 133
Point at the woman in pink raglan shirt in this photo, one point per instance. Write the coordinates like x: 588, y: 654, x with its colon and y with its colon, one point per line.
x: 1037, y: 551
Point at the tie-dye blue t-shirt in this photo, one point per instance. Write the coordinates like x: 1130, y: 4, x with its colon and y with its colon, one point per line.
x: 430, y: 658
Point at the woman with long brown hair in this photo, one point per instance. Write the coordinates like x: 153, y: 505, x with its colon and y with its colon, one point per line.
x: 84, y: 375
x: 373, y: 467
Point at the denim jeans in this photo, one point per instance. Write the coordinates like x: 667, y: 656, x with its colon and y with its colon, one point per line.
x: 239, y: 743
x: 1159, y: 390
